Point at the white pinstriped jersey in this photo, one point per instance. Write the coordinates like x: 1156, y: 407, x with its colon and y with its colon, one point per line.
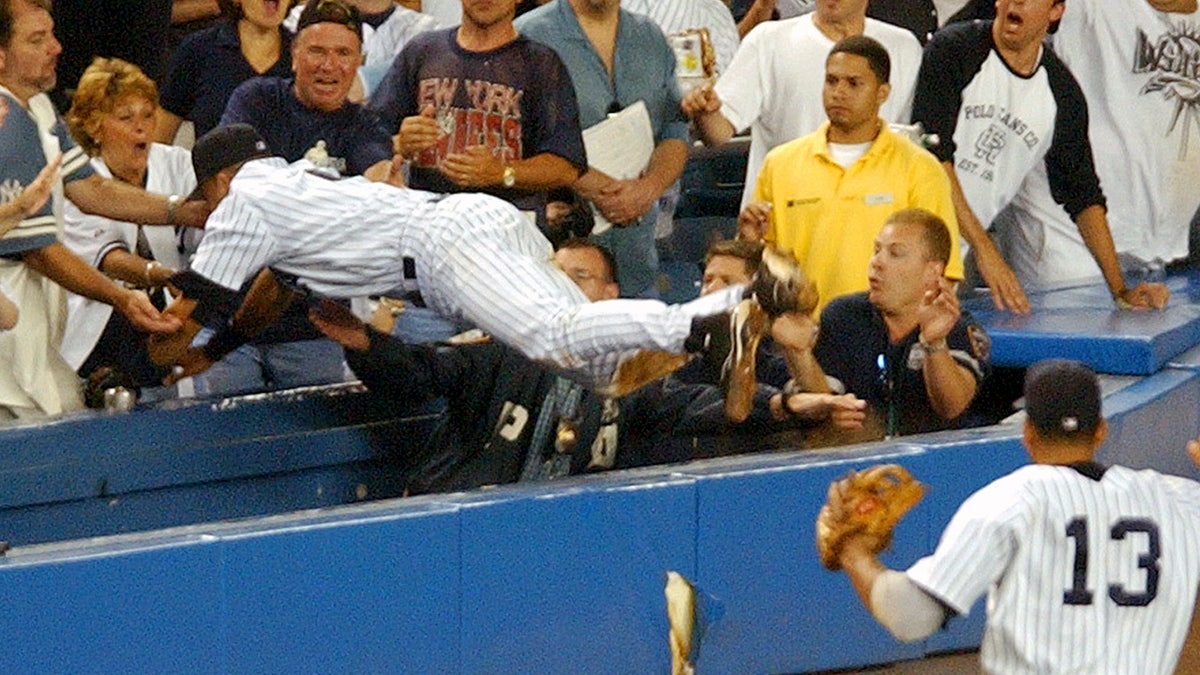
x: 477, y: 258
x: 1084, y: 573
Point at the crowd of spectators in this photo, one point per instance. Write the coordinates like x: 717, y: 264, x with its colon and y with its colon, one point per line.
x: 1047, y: 157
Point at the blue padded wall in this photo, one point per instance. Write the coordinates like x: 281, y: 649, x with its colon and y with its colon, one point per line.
x: 155, y: 609
x: 358, y: 592
x: 571, y: 580
x: 1082, y: 323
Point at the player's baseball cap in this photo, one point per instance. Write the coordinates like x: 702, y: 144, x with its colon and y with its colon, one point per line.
x: 222, y: 147
x: 1062, y: 398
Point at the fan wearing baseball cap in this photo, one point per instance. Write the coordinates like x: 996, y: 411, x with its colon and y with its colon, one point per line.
x: 310, y: 114
x: 1103, y: 557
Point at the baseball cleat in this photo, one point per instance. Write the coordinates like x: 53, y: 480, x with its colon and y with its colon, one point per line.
x: 780, y: 286
x: 747, y: 324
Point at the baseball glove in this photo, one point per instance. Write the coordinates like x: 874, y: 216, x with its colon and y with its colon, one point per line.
x: 780, y: 285
x: 868, y: 502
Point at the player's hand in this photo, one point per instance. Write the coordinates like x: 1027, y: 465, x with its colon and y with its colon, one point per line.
x: 1006, y: 290
x: 1193, y: 450
x: 625, y: 201
x: 339, y: 324
x: 701, y: 100
x: 475, y: 167
x: 418, y: 133
x: 938, y: 312
x: 1146, y: 295
x: 193, y: 362
x: 136, y: 307
x: 192, y: 213
x: 795, y: 331
x: 753, y: 221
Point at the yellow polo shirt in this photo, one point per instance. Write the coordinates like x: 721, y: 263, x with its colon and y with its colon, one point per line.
x: 828, y: 216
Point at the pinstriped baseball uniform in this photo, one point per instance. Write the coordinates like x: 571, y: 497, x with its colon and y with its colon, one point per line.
x: 477, y: 258
x: 1087, y: 570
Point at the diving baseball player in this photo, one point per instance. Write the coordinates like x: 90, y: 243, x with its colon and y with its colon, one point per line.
x: 1088, y: 568
x: 470, y: 256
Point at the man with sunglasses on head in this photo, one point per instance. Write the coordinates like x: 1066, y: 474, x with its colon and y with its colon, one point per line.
x: 309, y: 115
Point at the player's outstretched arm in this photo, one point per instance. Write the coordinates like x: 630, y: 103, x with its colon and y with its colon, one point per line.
x: 1189, y: 657
x: 264, y: 304
x: 899, y: 605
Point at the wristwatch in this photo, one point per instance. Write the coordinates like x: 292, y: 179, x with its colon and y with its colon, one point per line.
x: 510, y: 177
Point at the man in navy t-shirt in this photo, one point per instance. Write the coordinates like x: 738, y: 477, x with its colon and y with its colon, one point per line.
x: 308, y: 115
x: 480, y: 108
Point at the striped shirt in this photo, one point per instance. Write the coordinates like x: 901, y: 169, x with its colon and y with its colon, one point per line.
x: 1086, y: 570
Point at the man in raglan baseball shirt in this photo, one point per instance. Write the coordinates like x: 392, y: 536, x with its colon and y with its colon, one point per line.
x: 1004, y: 109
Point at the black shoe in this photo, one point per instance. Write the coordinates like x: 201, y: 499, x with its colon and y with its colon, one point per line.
x: 709, y: 339
x: 780, y: 286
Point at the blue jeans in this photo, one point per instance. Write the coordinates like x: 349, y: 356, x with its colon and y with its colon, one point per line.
x: 284, y: 365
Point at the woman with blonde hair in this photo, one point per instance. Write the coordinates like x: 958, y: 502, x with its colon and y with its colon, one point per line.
x: 113, y: 118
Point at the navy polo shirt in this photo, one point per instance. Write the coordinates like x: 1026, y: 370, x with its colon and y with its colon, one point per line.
x: 354, y: 137
x: 206, y: 69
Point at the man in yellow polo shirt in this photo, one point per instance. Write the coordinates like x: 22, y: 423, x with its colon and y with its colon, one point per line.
x: 825, y: 196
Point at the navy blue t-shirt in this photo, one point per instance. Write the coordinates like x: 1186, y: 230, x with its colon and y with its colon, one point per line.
x: 354, y: 137
x: 517, y: 100
x: 206, y: 69
x: 854, y: 348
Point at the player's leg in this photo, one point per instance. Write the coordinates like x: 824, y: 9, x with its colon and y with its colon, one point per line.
x: 505, y: 282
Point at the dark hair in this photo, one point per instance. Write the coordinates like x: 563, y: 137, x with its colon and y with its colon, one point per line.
x: 610, y: 261
x: 331, y: 11
x: 749, y: 252
x: 7, y: 19
x: 232, y: 9
x: 870, y: 49
x: 933, y: 231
